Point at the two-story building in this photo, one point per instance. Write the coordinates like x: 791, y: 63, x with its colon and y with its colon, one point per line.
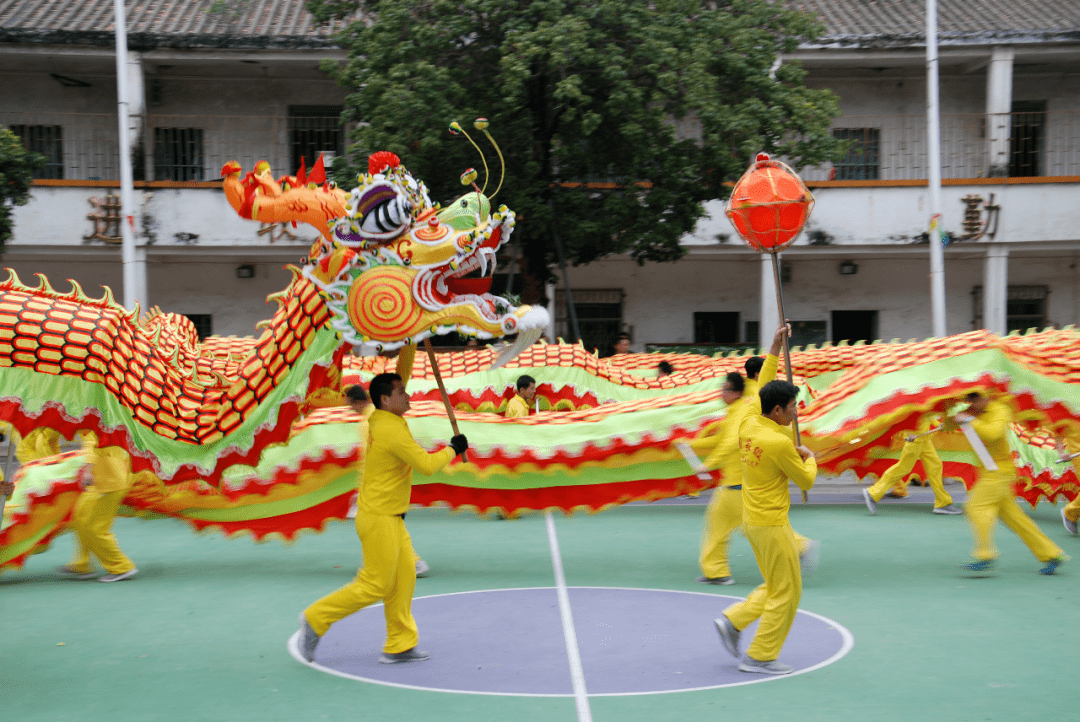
x: 244, y: 84
x: 1010, y: 134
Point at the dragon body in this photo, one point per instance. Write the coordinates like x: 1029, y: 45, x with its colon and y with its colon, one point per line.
x: 249, y: 437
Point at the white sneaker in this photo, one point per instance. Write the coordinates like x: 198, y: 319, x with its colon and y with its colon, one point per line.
x: 409, y: 655
x: 308, y: 640
x: 70, y: 573
x: 949, y: 509
x: 749, y: 664
x: 870, y: 503
x: 810, y: 558
x: 1070, y: 526
x: 422, y: 569
x: 119, y: 577
x: 729, y: 636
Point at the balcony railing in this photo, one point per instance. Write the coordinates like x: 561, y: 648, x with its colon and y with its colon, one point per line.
x: 195, y: 147
x: 180, y: 148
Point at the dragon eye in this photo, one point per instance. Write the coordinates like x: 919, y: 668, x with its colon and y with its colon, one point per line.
x: 383, y: 212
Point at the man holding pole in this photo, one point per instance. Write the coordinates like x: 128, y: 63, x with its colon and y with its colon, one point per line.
x: 769, y: 459
x: 388, y: 574
x: 725, y: 511
x: 916, y: 448
x: 992, y: 496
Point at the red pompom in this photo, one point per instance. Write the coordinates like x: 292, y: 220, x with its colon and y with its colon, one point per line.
x: 379, y: 161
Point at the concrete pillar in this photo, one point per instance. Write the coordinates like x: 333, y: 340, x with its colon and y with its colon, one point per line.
x: 998, y: 109
x: 996, y: 288
x: 770, y: 314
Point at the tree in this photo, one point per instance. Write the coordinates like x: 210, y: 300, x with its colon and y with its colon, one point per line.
x: 584, y: 99
x: 17, y: 166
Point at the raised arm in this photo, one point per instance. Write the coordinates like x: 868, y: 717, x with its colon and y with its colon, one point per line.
x: 405, y: 359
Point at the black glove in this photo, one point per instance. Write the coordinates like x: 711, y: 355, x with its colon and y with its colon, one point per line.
x: 459, y: 443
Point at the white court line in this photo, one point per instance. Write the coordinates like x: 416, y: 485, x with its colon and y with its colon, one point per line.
x: 577, y: 674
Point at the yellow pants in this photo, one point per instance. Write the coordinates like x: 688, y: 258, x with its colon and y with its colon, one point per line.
x: 993, y: 498
x: 775, y: 601
x: 921, y: 449
x: 722, y: 517
x: 388, y: 575
x: 1072, y: 509
x: 92, y: 521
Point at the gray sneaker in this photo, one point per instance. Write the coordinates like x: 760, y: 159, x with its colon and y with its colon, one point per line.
x: 409, y: 655
x: 67, y: 571
x: 308, y: 640
x: 949, y: 509
x: 870, y: 503
x: 119, y: 577
x: 729, y: 636
x: 716, y: 580
x: 1070, y: 526
x: 422, y: 569
x: 810, y: 558
x: 749, y: 664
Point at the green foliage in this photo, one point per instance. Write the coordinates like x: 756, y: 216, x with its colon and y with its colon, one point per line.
x: 17, y: 166
x: 582, y: 93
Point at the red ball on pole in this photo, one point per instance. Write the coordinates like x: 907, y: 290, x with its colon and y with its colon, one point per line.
x: 769, y: 205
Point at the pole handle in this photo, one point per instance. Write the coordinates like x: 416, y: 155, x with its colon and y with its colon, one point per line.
x: 442, y: 391
x: 787, y: 349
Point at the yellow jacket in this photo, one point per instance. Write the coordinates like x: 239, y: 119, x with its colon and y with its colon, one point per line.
x: 392, y: 455
x: 769, y: 459
x: 404, y: 369
x: 725, y: 455
x: 992, y: 426
x: 38, y: 444
x: 110, y: 465
x: 516, y: 408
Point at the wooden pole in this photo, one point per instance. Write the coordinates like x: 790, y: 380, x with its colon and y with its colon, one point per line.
x: 787, y: 349
x: 442, y: 391
x: 7, y: 471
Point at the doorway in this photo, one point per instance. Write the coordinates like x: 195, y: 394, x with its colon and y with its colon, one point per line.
x: 852, y: 326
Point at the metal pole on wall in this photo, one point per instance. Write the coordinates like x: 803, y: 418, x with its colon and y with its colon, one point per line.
x: 933, y: 153
x: 127, y: 183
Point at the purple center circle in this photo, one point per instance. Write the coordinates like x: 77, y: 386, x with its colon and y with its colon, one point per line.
x: 510, y: 642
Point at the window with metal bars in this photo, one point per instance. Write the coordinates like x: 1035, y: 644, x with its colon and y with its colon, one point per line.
x: 1026, y: 138
x: 315, y: 130
x: 599, y: 316
x: 1025, y: 307
x: 47, y: 140
x: 862, y: 161
x: 204, y: 324
x: 178, y: 154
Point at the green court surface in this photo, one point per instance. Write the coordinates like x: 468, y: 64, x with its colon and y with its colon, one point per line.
x: 200, y: 634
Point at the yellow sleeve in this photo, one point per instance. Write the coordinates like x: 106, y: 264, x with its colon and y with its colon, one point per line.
x: 729, y: 436
x: 768, y: 370
x: 803, y: 473
x: 992, y: 425
x: 404, y: 446
x: 405, y: 359
x: 516, y: 408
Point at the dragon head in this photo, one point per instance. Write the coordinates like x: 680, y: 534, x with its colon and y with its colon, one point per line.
x: 395, y: 270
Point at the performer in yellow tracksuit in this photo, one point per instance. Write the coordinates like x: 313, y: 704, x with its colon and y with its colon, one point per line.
x: 526, y: 392
x: 725, y: 511
x: 110, y: 469
x: 993, y: 495
x: 918, y: 449
x: 388, y: 574
x: 38, y: 444
x: 1067, y: 445
x: 769, y: 459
